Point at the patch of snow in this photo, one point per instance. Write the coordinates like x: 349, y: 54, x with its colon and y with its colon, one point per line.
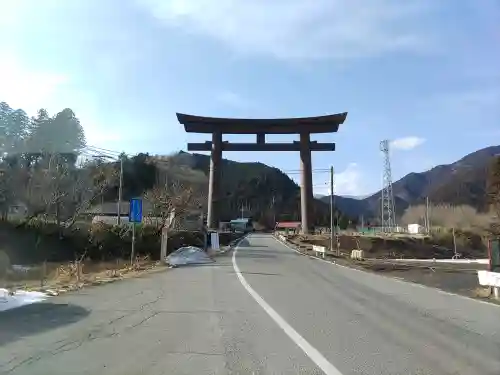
x: 188, y: 255
x: 19, y: 268
x: 19, y: 298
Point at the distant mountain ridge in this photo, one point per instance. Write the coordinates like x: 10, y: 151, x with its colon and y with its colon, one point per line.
x: 461, y: 182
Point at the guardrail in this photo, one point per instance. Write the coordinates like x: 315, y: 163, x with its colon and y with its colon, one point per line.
x: 456, y: 261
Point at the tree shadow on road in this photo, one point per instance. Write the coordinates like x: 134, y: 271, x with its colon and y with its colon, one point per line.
x: 39, y: 317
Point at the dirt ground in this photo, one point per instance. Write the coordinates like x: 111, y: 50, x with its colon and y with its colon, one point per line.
x: 455, y: 278
x: 394, y: 247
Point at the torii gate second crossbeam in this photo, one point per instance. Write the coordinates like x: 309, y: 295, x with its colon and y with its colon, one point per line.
x: 304, y: 126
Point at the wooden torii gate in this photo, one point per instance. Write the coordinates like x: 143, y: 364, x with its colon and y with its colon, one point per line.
x: 304, y: 126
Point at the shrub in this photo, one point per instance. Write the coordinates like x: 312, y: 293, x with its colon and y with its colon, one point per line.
x: 37, y: 241
x: 4, y: 264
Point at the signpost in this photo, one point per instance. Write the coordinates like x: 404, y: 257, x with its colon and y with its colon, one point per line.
x: 135, y: 216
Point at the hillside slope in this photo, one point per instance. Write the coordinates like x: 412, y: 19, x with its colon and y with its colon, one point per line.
x: 461, y: 182
x: 264, y: 192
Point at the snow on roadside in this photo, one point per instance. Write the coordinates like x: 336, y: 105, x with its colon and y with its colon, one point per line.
x: 20, y: 298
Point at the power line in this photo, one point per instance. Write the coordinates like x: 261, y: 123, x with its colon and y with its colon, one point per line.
x: 103, y: 149
x: 101, y: 152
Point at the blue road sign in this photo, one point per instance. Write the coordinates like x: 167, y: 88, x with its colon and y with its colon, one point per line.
x: 135, y: 214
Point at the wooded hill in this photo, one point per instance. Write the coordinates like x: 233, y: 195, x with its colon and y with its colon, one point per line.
x: 252, y: 189
x: 48, y: 167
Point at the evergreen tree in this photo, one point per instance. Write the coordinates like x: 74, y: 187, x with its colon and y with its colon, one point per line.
x: 61, y: 134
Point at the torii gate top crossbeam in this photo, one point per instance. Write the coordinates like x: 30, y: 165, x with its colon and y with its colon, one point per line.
x: 319, y: 124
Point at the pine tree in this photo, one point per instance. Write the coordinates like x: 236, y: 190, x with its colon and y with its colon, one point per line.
x: 61, y: 134
x: 13, y: 129
x: 5, y: 112
x: 18, y: 130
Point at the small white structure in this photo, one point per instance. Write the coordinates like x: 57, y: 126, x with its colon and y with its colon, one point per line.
x: 415, y: 228
x: 214, y: 241
x: 492, y: 279
x: 357, y: 254
x: 319, y: 250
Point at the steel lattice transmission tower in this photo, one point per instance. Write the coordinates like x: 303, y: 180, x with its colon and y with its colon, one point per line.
x: 387, y: 213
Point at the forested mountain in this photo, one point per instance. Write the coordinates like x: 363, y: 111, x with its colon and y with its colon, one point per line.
x: 462, y: 182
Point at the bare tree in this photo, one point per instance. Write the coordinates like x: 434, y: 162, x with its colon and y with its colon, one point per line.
x: 91, y: 183
x: 447, y: 216
x: 62, y: 191
x: 174, y: 200
x: 8, y: 191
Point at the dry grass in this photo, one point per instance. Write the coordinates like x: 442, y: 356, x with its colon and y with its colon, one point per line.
x: 75, y: 275
x: 437, y: 246
x: 482, y: 292
x: 446, y: 216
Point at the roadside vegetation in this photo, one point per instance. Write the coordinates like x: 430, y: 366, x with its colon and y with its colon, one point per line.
x: 52, y: 184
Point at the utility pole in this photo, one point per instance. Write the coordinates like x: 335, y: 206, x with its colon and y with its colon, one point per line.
x: 331, y: 208
x: 120, y: 187
x: 427, y: 222
x: 455, y: 254
x: 274, y: 211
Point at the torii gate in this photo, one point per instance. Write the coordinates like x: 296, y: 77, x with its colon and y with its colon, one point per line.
x: 303, y: 126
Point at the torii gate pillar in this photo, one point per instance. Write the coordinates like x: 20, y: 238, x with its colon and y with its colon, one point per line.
x: 214, y: 181
x: 306, y: 187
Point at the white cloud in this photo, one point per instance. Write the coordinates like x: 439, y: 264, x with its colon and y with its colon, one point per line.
x: 346, y: 183
x: 406, y: 143
x: 302, y: 29
x: 232, y: 99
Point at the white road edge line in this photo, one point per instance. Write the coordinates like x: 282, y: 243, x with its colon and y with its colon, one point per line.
x: 307, y: 348
x: 392, y: 278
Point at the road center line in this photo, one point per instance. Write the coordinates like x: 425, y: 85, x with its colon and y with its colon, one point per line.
x: 307, y: 348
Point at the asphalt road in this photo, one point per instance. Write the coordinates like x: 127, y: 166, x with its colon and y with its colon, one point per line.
x: 267, y: 310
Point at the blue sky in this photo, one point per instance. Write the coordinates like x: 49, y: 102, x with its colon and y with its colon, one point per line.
x: 423, y: 73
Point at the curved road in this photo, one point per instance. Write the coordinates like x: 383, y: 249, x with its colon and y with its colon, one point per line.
x: 261, y: 310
